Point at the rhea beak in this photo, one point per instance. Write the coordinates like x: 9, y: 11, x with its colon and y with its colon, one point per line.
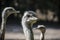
x: 14, y: 11
x: 32, y: 19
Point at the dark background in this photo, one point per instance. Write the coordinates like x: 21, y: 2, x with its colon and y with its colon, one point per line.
x: 48, y: 12
x: 42, y: 5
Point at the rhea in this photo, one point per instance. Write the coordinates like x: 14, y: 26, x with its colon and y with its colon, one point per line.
x: 42, y: 29
x: 5, y: 13
x: 28, y: 19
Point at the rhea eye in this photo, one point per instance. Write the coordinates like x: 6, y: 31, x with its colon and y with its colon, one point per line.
x: 28, y: 15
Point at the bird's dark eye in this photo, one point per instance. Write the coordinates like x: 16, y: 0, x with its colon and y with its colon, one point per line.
x: 28, y: 15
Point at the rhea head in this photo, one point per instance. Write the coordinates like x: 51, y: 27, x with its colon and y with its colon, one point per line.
x: 29, y: 17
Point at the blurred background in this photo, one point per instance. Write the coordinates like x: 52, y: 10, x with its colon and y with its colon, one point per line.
x: 47, y: 10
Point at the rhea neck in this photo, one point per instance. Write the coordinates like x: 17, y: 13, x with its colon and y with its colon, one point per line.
x: 25, y: 23
x: 27, y: 29
x: 42, y: 36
